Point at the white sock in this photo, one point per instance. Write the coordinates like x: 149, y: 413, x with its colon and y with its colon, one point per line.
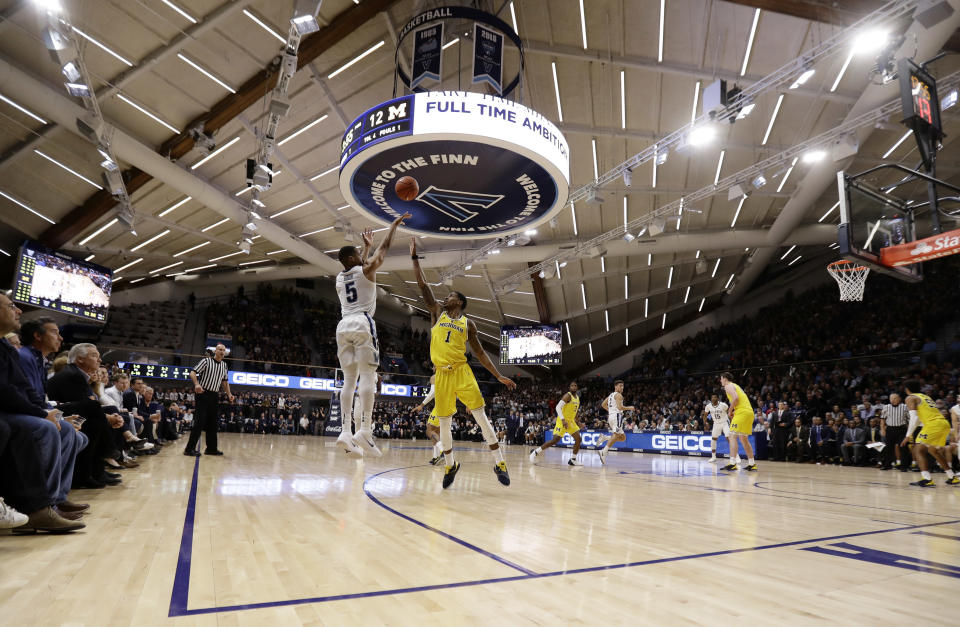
x: 368, y: 388
x: 437, y: 449
x: 925, y: 475
x: 713, y: 447
x: 750, y: 461
x: 346, y: 398
x: 497, y: 454
x: 949, y: 474
x: 446, y: 440
x: 539, y: 450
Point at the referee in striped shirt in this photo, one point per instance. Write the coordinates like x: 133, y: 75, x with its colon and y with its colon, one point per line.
x: 893, y: 428
x: 208, y: 376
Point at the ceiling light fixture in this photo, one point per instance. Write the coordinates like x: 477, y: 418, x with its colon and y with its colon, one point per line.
x: 736, y: 215
x: 623, y: 101
x: 172, y: 207
x: 583, y: 26
x: 789, y: 250
x: 96, y: 43
x: 829, y: 211
x: 239, y: 252
x: 573, y: 216
x: 129, y: 265
x: 897, y: 145
x: 191, y: 249
x: 22, y: 109
x: 206, y: 73
x: 513, y: 18
x: 325, y: 172
x: 250, y: 263
x: 716, y: 177
x: 696, y: 102
x: 773, y: 118
x: 150, y: 241
x: 357, y: 59
x: 181, y: 11
x: 31, y: 210
x: 215, y: 153
x: 73, y: 172
x: 302, y: 130
x: 148, y: 114
x: 264, y: 26
x: 715, y: 266
x: 451, y: 43
x: 663, y: 8
x: 753, y: 33
x: 214, y: 225
x: 596, y: 170
x: 556, y: 90
x: 803, y: 78
x: 786, y: 175
x: 326, y: 228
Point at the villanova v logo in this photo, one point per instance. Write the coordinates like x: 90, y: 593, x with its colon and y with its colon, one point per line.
x: 455, y: 203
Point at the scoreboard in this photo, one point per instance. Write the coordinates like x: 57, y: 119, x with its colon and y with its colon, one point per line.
x: 393, y: 118
x: 156, y: 371
x: 921, y: 108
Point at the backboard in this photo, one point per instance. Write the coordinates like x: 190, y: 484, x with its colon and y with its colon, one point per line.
x: 871, y: 220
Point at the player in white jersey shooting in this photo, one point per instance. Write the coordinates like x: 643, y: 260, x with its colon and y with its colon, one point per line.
x: 615, y: 407
x: 357, y: 347
x: 717, y: 411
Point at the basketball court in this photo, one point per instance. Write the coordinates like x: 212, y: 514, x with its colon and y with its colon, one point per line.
x: 289, y: 531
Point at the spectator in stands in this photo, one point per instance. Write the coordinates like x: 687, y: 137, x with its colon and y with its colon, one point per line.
x: 854, y: 441
x: 71, y: 387
x: 33, y: 472
x: 798, y: 444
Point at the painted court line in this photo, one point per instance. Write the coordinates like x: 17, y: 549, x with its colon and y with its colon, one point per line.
x: 179, y: 597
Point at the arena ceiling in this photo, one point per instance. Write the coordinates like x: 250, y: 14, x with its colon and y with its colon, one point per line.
x: 145, y: 58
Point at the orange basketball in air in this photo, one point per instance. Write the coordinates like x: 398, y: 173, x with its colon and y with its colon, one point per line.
x: 407, y: 188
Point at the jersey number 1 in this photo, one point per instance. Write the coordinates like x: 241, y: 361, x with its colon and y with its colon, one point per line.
x: 351, y: 291
x: 448, y: 337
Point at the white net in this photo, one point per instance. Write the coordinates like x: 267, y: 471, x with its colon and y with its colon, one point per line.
x: 850, y: 277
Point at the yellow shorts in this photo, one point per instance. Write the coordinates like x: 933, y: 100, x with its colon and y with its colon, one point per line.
x: 742, y: 424
x: 433, y: 419
x: 560, y: 429
x: 453, y: 383
x: 934, y: 434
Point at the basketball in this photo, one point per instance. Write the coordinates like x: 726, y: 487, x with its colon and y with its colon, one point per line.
x: 407, y: 188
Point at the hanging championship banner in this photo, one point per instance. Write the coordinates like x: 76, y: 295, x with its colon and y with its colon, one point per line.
x: 488, y: 57
x: 427, y: 54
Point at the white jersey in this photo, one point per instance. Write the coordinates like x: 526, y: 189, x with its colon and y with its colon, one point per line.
x: 717, y: 412
x: 615, y: 417
x: 358, y: 294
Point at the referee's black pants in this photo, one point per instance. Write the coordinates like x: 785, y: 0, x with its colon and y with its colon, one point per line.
x: 205, y: 419
x: 892, y: 440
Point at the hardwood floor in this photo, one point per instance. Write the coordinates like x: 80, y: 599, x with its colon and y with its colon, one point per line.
x: 289, y: 531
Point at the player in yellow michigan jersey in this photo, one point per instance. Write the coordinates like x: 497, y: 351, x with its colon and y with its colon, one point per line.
x: 741, y: 420
x: 433, y: 423
x: 451, y: 333
x: 932, y: 438
x: 566, y: 423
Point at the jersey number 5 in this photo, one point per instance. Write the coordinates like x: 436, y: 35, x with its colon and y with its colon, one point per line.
x: 351, y: 291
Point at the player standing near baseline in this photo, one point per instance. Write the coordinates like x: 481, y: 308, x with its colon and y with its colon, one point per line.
x: 932, y: 438
x: 357, y: 347
x: 717, y: 410
x: 433, y: 422
x: 742, y: 423
x: 615, y: 408
x: 566, y: 423
x: 451, y: 332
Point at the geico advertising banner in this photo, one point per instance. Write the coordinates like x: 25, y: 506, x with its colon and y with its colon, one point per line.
x: 305, y: 383
x: 666, y: 442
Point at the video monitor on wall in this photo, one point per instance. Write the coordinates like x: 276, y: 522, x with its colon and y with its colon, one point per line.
x: 53, y: 280
x: 531, y: 344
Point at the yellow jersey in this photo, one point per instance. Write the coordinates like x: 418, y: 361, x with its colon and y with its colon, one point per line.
x: 743, y: 408
x: 570, y: 409
x: 448, y: 341
x: 927, y: 410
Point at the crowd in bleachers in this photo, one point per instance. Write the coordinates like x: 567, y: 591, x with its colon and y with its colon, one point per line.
x: 155, y: 325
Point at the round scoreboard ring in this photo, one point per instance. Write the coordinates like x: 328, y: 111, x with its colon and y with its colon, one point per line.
x: 482, y: 166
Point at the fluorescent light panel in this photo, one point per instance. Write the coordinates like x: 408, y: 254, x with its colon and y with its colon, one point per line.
x: 663, y: 8
x: 239, y: 252
x: 97, y: 232
x: 729, y: 281
x: 773, y: 118
x: 829, y: 211
x: 302, y: 130
x: 212, y: 265
x: 702, y: 301
x: 843, y: 70
x: 736, y: 215
x: 897, y: 145
x: 789, y: 250
x: 148, y: 113
x: 513, y: 18
x: 696, y: 102
x: 357, y: 59
x: 181, y: 11
x: 606, y: 319
x: 214, y: 225
x: 172, y: 207
x: 215, y: 153
x: 326, y: 228
x: 753, y: 32
x: 191, y: 249
x: 556, y: 90
x: 150, y: 241
x: 96, y: 43
x: 451, y: 43
x: 325, y: 172
x: 22, y: 109
x: 34, y: 212
x: 716, y: 177
x: 129, y: 265
x: 623, y: 103
x: 583, y: 294
x: 583, y: 26
x: 73, y: 172
x: 250, y: 263
x: 786, y: 174
x: 264, y: 26
x: 590, y: 348
x: 277, y: 252
x: 289, y: 209
x: 596, y: 169
x: 573, y: 216
x: 715, y: 266
x: 206, y: 73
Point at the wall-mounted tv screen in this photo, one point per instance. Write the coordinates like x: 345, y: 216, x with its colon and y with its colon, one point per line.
x: 56, y: 281
x: 531, y: 344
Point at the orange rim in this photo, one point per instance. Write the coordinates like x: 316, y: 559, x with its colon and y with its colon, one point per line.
x: 845, y: 265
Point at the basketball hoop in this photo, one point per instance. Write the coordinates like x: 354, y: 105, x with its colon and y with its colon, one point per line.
x: 850, y: 277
